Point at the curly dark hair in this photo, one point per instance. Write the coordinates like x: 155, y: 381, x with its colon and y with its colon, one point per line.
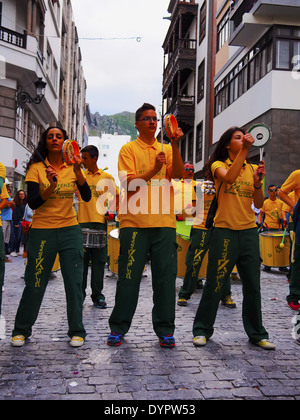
x: 41, y: 149
x: 221, y: 151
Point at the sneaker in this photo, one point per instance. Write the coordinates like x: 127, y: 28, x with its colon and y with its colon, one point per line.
x: 167, y: 341
x: 114, y: 339
x: 76, y: 341
x: 199, y: 341
x: 18, y: 341
x: 182, y: 302
x: 100, y: 304
x: 199, y: 284
x: 228, y: 302
x: 13, y: 254
x: 295, y: 305
x: 266, y: 344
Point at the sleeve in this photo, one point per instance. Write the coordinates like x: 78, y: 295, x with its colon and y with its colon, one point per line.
x: 85, y: 191
x: 216, y: 165
x: 34, y: 198
x: 291, y: 183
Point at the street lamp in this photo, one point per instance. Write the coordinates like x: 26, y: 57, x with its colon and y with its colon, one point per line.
x: 24, y: 97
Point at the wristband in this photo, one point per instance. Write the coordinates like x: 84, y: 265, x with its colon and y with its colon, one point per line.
x: 257, y: 188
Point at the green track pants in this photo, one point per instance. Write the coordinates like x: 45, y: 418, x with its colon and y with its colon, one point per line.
x: 229, y: 247
x: 42, y: 248
x: 135, y: 246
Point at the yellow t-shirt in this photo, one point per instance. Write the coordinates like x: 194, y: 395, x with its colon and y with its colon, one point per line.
x: 273, y: 213
x: 184, y: 194
x: 3, y: 195
x: 292, y: 184
x: 286, y: 208
x: 103, y: 190
x: 57, y: 211
x: 151, y: 205
x: 202, y: 209
x: 2, y: 171
x: 234, y: 200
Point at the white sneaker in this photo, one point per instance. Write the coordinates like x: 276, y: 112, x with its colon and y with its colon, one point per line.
x: 13, y: 254
x: 18, y: 341
x: 199, y: 341
x: 76, y: 341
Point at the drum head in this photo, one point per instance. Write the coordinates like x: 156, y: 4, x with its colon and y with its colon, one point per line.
x: 261, y: 134
x: 69, y: 151
x: 171, y: 125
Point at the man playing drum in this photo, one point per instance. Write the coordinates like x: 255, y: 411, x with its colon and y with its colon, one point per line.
x: 147, y: 227
x: 93, y: 215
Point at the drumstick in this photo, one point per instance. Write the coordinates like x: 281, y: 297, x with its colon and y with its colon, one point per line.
x: 282, y: 242
x: 45, y: 164
x: 293, y: 238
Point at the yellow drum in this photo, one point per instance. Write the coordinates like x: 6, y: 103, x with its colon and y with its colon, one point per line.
x: 56, y: 265
x: 114, y: 250
x: 272, y: 254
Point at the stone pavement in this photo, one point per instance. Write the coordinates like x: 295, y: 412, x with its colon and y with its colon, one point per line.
x: 228, y: 368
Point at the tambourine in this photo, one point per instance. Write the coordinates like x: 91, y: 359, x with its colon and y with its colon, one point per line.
x: 171, y: 125
x: 261, y: 134
x: 70, y: 151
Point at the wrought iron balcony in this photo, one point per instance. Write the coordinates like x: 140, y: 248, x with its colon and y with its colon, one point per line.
x: 13, y: 38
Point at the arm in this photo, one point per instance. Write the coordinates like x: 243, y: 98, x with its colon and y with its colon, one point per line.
x: 177, y: 164
x: 286, y: 199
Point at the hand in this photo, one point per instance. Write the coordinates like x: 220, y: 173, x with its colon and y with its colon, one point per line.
x: 77, y: 165
x: 52, y: 176
x: 248, y: 141
x: 259, y: 174
x: 159, y: 161
x: 177, y: 136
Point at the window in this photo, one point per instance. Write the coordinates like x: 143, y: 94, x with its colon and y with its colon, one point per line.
x: 223, y: 31
x: 200, y: 94
x: 202, y: 23
x: 283, y: 54
x: 21, y: 125
x: 183, y: 142
x: 199, y: 142
x: 191, y: 146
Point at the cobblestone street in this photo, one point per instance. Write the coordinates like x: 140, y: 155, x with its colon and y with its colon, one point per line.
x: 228, y: 368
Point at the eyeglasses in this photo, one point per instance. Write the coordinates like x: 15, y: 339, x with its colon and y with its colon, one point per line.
x: 150, y: 119
x: 189, y: 169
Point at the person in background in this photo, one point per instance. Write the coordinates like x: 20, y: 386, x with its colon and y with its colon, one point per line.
x: 3, y: 203
x: 20, y: 201
x: 54, y: 230
x: 6, y: 217
x: 292, y: 184
x: 94, y: 215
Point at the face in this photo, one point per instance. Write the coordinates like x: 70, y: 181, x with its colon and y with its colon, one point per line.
x: 147, y: 124
x: 54, y: 140
x: 21, y: 195
x: 88, y: 161
x: 236, y: 142
x: 273, y: 191
x: 188, y: 171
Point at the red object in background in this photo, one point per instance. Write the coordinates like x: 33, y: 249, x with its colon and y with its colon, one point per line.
x: 16, y: 163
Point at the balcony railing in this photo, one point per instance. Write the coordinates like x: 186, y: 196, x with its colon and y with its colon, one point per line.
x: 12, y: 37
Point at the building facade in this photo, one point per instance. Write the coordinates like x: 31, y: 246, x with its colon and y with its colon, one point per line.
x: 246, y: 72
x: 38, y: 43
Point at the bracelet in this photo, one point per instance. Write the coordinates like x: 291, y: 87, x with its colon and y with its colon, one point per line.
x: 257, y: 188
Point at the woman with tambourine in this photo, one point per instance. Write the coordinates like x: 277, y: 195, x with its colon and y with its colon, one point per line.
x: 51, y: 184
x: 234, y: 239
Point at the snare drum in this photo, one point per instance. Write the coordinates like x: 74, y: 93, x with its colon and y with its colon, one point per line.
x: 270, y: 251
x: 93, y: 238
x: 114, y: 250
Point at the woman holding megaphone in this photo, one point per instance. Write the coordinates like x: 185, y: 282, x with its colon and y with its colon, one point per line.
x: 51, y: 183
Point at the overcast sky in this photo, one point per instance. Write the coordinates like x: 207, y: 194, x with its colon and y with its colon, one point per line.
x: 122, y: 74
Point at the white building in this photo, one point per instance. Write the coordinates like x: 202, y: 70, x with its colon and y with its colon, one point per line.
x: 109, y: 146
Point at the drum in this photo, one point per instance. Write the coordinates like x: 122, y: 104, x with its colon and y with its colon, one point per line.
x: 183, y: 241
x: 56, y: 265
x: 114, y: 250
x: 272, y: 254
x: 70, y: 151
x: 110, y: 226
x: 93, y: 238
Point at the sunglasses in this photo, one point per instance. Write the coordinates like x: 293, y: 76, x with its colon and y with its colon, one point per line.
x: 189, y: 169
x: 273, y: 189
x: 149, y: 119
